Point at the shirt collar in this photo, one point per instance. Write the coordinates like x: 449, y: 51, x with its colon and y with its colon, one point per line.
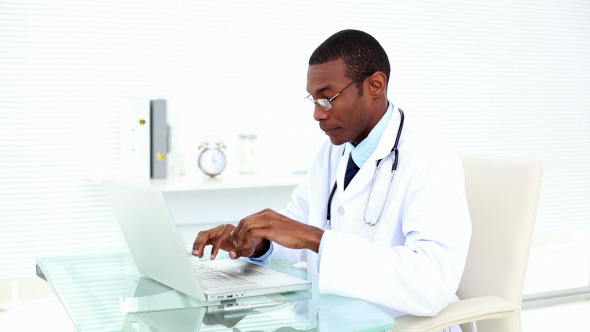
x: 361, y: 153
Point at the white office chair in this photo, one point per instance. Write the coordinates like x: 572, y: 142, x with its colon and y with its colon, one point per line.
x: 502, y: 195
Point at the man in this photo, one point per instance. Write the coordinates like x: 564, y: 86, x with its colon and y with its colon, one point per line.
x: 401, y: 240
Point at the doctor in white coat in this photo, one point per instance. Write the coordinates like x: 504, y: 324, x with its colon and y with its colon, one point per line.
x: 395, y: 233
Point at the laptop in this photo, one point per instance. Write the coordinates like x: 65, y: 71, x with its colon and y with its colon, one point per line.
x: 158, y: 251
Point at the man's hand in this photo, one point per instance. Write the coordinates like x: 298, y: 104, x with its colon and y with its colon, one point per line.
x: 220, y: 238
x: 276, y: 227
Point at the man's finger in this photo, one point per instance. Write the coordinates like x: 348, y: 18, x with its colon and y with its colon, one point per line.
x: 249, y: 219
x: 220, y: 239
x: 244, y: 236
x: 216, y: 245
x: 199, y: 244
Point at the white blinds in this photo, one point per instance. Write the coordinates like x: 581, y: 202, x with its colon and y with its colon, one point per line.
x: 506, y: 78
x: 58, y: 133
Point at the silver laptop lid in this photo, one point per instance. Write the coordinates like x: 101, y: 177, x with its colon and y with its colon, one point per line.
x: 151, y: 235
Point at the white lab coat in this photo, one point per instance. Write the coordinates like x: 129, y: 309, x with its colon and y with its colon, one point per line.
x: 413, y: 259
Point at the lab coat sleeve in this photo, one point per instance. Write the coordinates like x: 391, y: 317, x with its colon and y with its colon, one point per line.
x: 421, y: 276
x: 298, y: 208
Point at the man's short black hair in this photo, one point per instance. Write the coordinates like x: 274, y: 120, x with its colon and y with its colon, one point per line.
x: 361, y: 52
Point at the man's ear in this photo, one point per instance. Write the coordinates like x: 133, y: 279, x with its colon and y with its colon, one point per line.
x: 377, y: 84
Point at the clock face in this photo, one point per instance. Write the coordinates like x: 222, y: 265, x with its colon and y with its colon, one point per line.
x: 212, y: 161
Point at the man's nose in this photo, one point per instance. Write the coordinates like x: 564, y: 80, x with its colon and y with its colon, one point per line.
x: 319, y: 113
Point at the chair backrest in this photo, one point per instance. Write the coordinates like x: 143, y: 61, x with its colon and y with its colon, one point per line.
x: 502, y: 195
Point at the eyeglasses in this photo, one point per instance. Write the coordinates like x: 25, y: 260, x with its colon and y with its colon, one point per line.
x: 325, y: 102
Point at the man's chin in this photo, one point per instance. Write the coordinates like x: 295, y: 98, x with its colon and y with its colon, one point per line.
x: 337, y: 141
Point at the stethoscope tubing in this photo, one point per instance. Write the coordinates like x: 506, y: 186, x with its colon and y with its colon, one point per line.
x: 394, y: 150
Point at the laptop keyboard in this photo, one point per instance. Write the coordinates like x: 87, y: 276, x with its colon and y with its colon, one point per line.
x: 211, y: 278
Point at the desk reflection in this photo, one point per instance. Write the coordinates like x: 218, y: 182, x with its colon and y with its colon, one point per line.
x: 297, y: 311
x: 272, y: 318
x: 156, y: 307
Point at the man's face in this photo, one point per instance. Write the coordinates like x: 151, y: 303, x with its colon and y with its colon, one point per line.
x: 347, y: 120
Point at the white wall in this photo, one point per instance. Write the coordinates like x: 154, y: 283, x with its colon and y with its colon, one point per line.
x: 503, y: 78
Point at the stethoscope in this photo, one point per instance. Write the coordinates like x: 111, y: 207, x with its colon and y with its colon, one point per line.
x: 369, y: 221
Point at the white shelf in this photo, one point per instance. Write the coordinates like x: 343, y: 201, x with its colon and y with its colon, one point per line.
x: 225, y: 199
x: 227, y: 182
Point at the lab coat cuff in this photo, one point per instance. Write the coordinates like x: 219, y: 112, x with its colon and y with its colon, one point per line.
x: 263, y: 260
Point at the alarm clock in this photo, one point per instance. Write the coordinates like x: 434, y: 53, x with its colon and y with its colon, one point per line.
x: 212, y: 159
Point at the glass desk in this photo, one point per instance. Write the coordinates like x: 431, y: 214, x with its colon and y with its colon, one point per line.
x: 105, y: 292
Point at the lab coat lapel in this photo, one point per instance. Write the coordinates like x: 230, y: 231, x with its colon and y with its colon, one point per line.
x: 363, y: 178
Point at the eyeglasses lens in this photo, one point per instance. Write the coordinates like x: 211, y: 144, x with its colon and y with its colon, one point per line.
x: 324, y: 103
